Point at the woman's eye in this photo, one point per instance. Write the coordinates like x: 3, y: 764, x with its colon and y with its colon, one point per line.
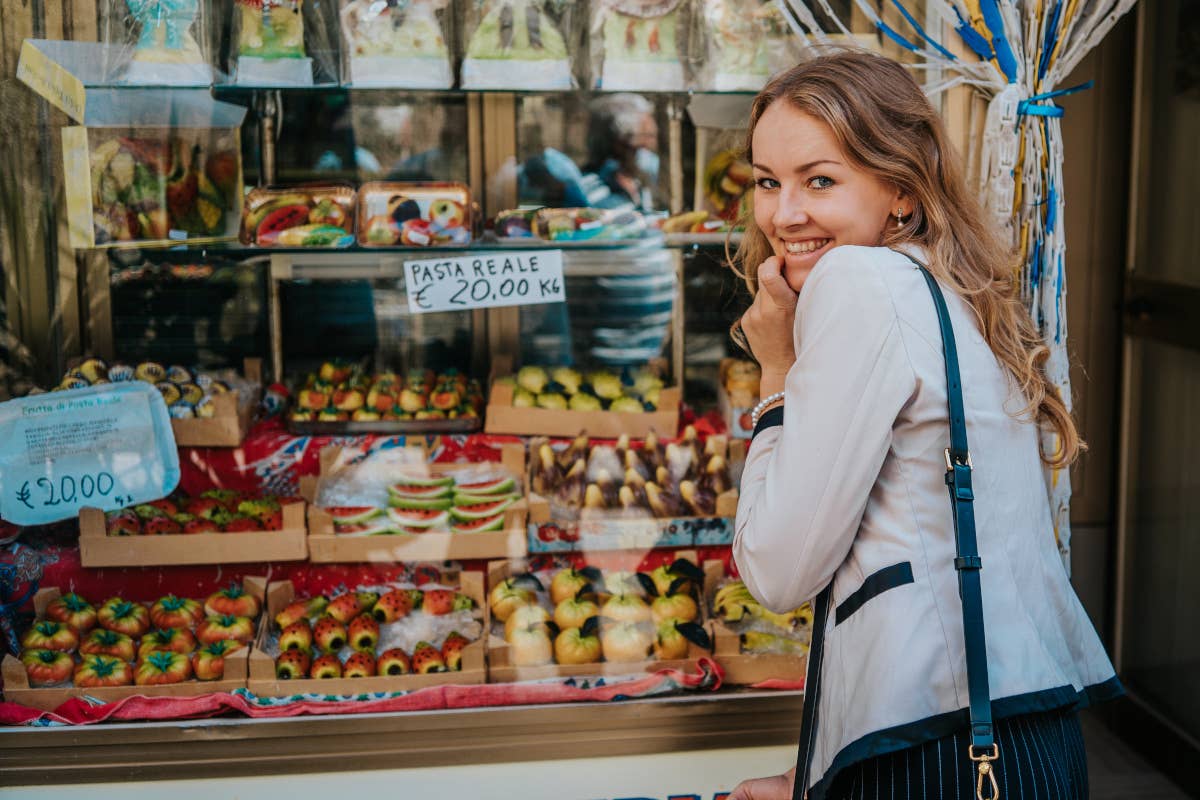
x: 820, y: 182
x: 766, y: 183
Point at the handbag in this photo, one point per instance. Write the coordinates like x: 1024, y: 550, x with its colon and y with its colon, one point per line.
x: 984, y: 749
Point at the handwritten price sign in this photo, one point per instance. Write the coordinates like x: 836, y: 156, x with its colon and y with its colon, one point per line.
x: 104, y: 446
x: 484, y: 280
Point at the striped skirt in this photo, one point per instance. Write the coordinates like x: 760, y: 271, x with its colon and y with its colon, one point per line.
x: 1041, y: 756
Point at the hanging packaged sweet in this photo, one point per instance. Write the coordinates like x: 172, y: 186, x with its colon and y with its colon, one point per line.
x: 166, y: 51
x: 397, y: 43
x: 270, y: 43
x: 640, y: 45
x: 518, y: 44
x: 748, y: 41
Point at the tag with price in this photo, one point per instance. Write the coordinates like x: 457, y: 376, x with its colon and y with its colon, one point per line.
x: 484, y: 280
x: 104, y: 446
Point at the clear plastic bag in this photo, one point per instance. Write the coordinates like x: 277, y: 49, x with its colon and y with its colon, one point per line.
x: 747, y: 42
x: 397, y: 43
x: 157, y: 42
x: 282, y: 43
x: 641, y: 45
x: 518, y: 44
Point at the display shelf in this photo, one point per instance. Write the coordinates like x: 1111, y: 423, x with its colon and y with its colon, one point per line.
x: 376, y: 262
x: 243, y: 90
x: 231, y: 747
x: 237, y: 251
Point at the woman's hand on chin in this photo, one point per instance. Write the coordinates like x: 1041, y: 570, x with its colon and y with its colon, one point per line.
x: 768, y: 325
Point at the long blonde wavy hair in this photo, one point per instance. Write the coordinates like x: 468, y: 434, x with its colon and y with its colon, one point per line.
x: 886, y: 127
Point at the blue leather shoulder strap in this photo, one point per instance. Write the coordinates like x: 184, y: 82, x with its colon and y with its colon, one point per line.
x: 968, y: 563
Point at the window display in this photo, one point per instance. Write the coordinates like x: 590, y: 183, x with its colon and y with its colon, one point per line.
x: 397, y: 476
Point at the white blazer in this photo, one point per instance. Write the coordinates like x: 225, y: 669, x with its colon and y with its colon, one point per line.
x: 844, y: 496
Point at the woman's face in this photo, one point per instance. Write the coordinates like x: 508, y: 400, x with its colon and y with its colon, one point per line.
x: 807, y: 197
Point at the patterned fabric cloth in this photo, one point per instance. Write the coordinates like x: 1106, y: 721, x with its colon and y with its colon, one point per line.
x: 81, y: 711
x: 1041, y: 755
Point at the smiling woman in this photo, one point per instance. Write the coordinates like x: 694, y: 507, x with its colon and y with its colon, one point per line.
x: 859, y: 215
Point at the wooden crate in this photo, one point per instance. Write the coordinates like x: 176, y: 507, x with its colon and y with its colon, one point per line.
x: 262, y: 680
x: 503, y: 417
x: 230, y: 422
x: 502, y: 670
x: 98, y: 549
x: 18, y: 690
x: 326, y: 546
x: 745, y: 669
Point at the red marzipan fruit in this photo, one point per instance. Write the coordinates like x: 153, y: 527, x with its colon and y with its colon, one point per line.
x: 101, y: 641
x: 292, y: 664
x: 166, y: 506
x: 437, y: 601
x: 243, y: 525
x: 452, y: 650
x: 364, y: 633
x: 272, y: 520
x: 426, y: 659
x: 159, y: 526
x: 327, y: 666
x: 329, y: 634
x: 204, y: 507
x: 359, y: 665
x: 200, y: 525
x: 394, y: 662
x: 392, y: 606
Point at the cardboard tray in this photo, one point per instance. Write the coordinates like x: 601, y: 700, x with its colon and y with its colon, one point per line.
x: 503, y: 417
x: 325, y: 546
x: 547, y: 535
x: 422, y: 427
x: 744, y: 669
x: 18, y: 690
x: 502, y: 670
x: 98, y: 549
x: 262, y: 680
x: 232, y: 420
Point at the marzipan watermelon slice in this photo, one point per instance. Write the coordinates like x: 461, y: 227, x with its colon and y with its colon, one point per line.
x: 496, y: 486
x: 481, y: 510
x: 461, y: 499
x: 417, y: 518
x: 431, y: 480
x: 432, y: 503
x: 419, y: 491
x: 349, y: 515
x: 480, y: 525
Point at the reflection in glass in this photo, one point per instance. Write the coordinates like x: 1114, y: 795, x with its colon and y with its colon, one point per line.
x: 369, y: 135
x: 602, y: 151
x: 365, y: 321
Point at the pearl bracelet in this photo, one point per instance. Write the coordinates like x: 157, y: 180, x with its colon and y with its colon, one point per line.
x: 757, y: 411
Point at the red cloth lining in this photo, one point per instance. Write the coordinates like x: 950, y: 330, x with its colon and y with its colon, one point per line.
x: 79, y: 712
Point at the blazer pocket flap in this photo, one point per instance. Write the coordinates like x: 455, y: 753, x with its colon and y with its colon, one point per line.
x: 876, y: 583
